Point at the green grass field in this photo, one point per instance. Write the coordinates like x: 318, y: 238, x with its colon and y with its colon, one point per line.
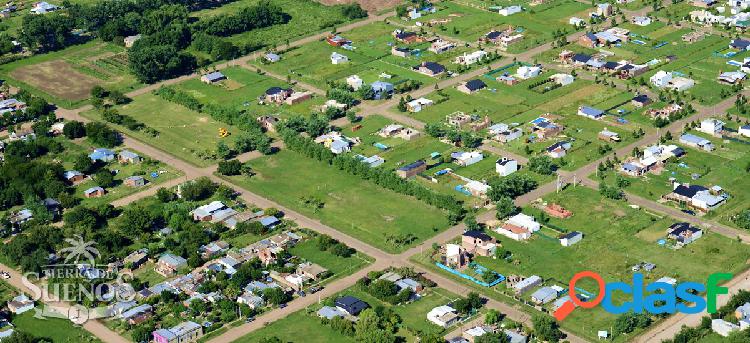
x: 242, y: 90
x: 337, y: 265
x: 298, y: 327
x: 352, y: 205
x: 56, y: 330
x: 184, y: 133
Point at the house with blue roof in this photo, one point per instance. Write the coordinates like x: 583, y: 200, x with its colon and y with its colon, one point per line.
x: 381, y: 90
x: 269, y: 221
x: 590, y: 112
x: 102, y: 154
x: 696, y: 142
x: 213, y: 77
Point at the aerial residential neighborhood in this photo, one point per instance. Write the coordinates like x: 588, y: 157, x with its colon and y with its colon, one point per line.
x: 379, y: 171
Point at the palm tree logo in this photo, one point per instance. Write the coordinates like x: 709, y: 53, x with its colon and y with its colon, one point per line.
x: 80, y: 249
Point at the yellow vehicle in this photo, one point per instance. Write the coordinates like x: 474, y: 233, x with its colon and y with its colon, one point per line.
x: 223, y: 133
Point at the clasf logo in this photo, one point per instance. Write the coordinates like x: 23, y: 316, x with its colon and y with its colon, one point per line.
x: 654, y: 298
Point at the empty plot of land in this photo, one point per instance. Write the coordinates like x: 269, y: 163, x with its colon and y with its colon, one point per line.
x: 58, y: 78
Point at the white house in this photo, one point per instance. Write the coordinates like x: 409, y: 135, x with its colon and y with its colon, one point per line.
x: 570, y: 238
x: 416, y: 105
x: 469, y: 59
x: 510, y: 10
x: 525, y: 72
x: 744, y: 130
x: 443, y: 316
x: 524, y: 221
x: 20, y: 304
x: 642, y: 21
x: 467, y: 158
x: 575, y: 21
x: 355, y: 82
x: 661, y: 79
x: 712, y: 126
x: 337, y: 58
x: 723, y: 327
x: 563, y: 79
x: 506, y: 166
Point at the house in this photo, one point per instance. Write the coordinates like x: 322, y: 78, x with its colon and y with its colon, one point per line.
x: 663, y: 79
x: 214, y: 210
x: 372, y: 161
x: 400, y: 52
x: 382, y: 90
x: 135, y: 181
x: 590, y: 112
x: 515, y: 336
x: 510, y: 10
x: 416, y: 105
x: 329, y: 312
x: 558, y: 150
x: 527, y: 72
x: 466, y: 159
x: 269, y: 221
x: 336, y: 142
x: 704, y: 3
x: 743, y: 311
x: 527, y: 284
x: 43, y: 7
x: 665, y: 112
x: 739, y: 44
x: 641, y: 21
x: 524, y: 221
x: 608, y: 136
x: 213, y: 77
x: 272, y: 57
x: 251, y: 300
x: 21, y: 217
x: 337, y: 58
x: 723, y: 327
x: 102, y: 154
x: 11, y: 105
x: 604, y: 9
x: 557, y: 211
x: 744, y: 130
x: 455, y: 256
x: 575, y: 21
x: 52, y: 206
x: 412, y: 169
x: 185, y: 332
x: 471, y: 334
x: 544, y: 295
x: 311, y: 270
x: 407, y: 37
x: 696, y: 142
x: 588, y: 40
x: 135, y: 259
x: 570, y: 238
x: 409, y: 284
x: 351, y: 305
x: 514, y: 232
x: 137, y: 314
x: 168, y: 264
x: 443, y: 316
x: 268, y: 123
x: 694, y: 196
x: 472, y: 86
x: 478, y: 243
x: 544, y: 128
x: 355, y: 82
x: 502, y: 38
x: 430, y: 68
x: 277, y: 95
x: 731, y: 77
x: 562, y: 79
x: 506, y: 166
x: 20, y: 304
x: 640, y: 100
x: 94, y: 192
x: 127, y: 156
x: 440, y: 46
x: 684, y: 232
x: 130, y: 40
x: 477, y: 188
x: 469, y: 59
x: 337, y: 41
x: 712, y: 126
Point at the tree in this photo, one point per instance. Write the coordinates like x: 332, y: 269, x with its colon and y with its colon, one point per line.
x: 493, y: 316
x: 628, y: 322
x: 104, y: 178
x: 231, y: 167
x: 74, y: 129
x: 471, y: 223
x: 505, y: 207
x: 151, y: 63
x: 275, y: 295
x: 546, y: 328
x: 47, y: 32
x: 542, y: 165
x: 493, y: 337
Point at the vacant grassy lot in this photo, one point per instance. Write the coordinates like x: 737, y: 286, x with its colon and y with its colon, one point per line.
x: 67, y: 76
x: 184, y: 133
x: 307, y: 17
x: 337, y: 265
x: 724, y: 166
x: 56, y: 330
x: 242, y: 90
x: 304, y: 324
x: 351, y: 205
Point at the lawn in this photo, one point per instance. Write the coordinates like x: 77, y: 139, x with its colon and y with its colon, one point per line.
x: 66, y: 77
x: 184, y: 133
x: 337, y: 265
x: 241, y: 91
x: 307, y: 17
x: 294, y: 326
x: 351, y: 205
x: 615, y: 238
x: 147, y: 274
x: 724, y: 166
x: 56, y: 330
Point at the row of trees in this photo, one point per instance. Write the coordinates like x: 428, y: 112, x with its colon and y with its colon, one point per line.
x: 382, y: 177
